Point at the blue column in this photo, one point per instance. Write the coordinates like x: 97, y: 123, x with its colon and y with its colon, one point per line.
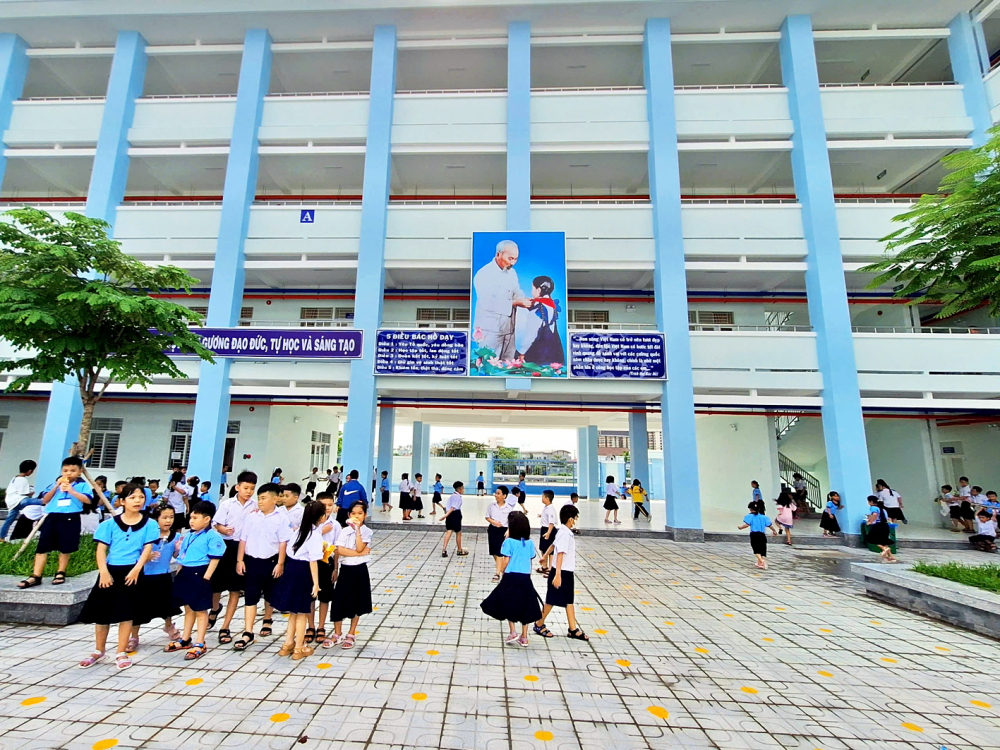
x: 359, y: 432
x: 211, y: 409
x: 843, y: 424
x: 386, y: 428
x: 638, y: 452
x: 967, y: 67
x: 420, y: 450
x: 107, y: 188
x: 13, y: 71
x: 519, y: 127
x: 595, y: 480
x: 583, y: 461
x: 680, y: 453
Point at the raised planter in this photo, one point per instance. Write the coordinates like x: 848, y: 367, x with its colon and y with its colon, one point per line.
x: 45, y: 604
x: 954, y: 603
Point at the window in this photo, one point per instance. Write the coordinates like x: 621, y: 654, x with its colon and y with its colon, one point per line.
x: 180, y: 443
x: 246, y: 316
x: 200, y: 310
x: 4, y: 424
x: 105, y: 436
x: 233, y: 427
x: 710, y: 320
x: 318, y: 314
x: 343, y: 313
x: 441, y: 317
x: 319, y: 453
x: 589, y: 319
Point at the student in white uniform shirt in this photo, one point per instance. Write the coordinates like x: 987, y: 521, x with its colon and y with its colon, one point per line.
x: 299, y: 583
x: 453, y: 519
x: 228, y: 521
x: 967, y: 512
x: 290, y: 504
x: 496, y: 516
x: 547, y: 531
x: 352, y: 594
x: 892, y: 501
x: 611, y: 496
x: 561, y: 586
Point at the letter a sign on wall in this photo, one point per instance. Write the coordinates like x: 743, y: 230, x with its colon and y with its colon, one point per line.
x: 307, y: 216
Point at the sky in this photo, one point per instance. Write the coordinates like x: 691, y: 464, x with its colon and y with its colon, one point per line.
x: 523, y: 438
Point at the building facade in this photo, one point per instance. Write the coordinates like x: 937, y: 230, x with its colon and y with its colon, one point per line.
x: 721, y: 172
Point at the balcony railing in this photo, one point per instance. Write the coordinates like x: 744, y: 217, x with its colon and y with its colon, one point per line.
x: 412, y: 324
x: 925, y: 329
x: 297, y: 323
x: 701, y: 328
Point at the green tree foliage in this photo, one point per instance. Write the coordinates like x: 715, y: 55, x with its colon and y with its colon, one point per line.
x: 462, y: 448
x: 74, y: 305
x: 508, y: 454
x: 949, y: 250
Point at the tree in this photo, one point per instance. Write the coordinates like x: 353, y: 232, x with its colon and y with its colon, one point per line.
x: 949, y: 252
x: 75, y: 306
x: 462, y: 448
x: 508, y: 454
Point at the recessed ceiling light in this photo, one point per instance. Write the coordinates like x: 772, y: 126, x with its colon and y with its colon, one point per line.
x: 575, y: 67
x: 340, y: 72
x: 228, y: 75
x: 701, y: 65
x: 455, y: 166
x: 456, y: 70
x: 214, y: 169
x: 576, y: 166
x: 707, y: 164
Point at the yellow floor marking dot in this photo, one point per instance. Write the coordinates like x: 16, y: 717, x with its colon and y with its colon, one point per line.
x: 601, y: 632
x: 33, y: 701
x: 623, y: 663
x: 699, y: 597
x: 824, y: 674
x: 780, y: 609
x: 374, y: 608
x: 626, y: 587
x: 875, y: 622
x: 700, y: 650
x: 745, y: 591
x: 442, y: 624
x: 769, y: 640
x: 388, y: 591
x: 278, y: 718
x: 531, y: 677
x: 104, y: 744
x: 194, y: 681
x: 886, y: 658
x: 981, y: 704
x: 752, y: 691
x: 942, y: 648
x: 449, y: 601
x: 587, y: 609
x: 667, y: 622
x: 453, y: 585
x: 419, y: 696
x: 544, y: 736
x: 324, y: 665
x: 727, y: 614
x: 825, y: 630
x: 399, y: 576
x: 646, y: 603
x: 828, y: 604
x: 432, y: 652
x: 659, y: 712
x: 911, y: 727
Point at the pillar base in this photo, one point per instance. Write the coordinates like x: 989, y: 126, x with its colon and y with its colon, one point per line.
x: 685, y: 535
x: 853, y: 540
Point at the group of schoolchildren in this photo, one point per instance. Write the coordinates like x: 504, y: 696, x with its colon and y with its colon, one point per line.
x: 972, y: 511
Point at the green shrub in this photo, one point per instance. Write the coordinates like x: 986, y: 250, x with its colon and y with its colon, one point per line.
x: 83, y: 560
x: 986, y: 577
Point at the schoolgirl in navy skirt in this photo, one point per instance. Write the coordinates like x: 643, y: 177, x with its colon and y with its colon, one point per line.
x: 515, y: 599
x: 298, y: 586
x: 158, y: 594
x: 352, y: 594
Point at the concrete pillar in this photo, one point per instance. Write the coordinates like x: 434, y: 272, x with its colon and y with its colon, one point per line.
x: 519, y: 127
x: 595, y: 479
x: 583, y: 461
x: 680, y: 452
x: 826, y: 289
x: 638, y: 452
x: 968, y: 68
x: 211, y: 409
x: 386, y: 428
x: 359, y: 433
x: 421, y: 450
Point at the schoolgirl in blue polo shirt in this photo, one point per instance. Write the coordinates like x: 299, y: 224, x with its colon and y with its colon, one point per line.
x: 384, y: 488
x: 64, y: 501
x: 199, y: 554
x: 758, y: 523
x: 158, y: 586
x: 125, y: 543
x: 436, y: 501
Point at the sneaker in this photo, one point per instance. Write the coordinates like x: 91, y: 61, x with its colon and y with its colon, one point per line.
x: 511, y: 640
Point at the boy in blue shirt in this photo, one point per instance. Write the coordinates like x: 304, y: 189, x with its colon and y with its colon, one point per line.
x: 384, y: 487
x: 438, y: 488
x: 64, y: 501
x: 352, y: 492
x: 205, y: 492
x: 758, y: 523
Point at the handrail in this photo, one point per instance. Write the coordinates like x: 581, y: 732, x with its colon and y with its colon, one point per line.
x: 707, y: 328
x: 787, y: 467
x: 728, y: 86
x: 62, y: 99
x: 464, y: 325
x: 894, y: 84
x: 160, y: 97
x: 740, y: 201
x: 986, y: 330
x: 254, y: 323
x: 908, y: 201
x: 281, y: 94
x: 555, y: 89
x: 420, y: 92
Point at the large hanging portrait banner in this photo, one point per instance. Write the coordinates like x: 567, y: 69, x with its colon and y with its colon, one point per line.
x: 518, y: 323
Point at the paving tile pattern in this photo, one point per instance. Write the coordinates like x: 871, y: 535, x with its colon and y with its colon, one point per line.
x: 691, y: 648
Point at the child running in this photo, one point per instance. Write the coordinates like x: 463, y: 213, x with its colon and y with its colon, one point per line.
x: 438, y: 488
x: 611, y: 499
x: 639, y: 498
x: 260, y: 559
x: 758, y: 523
x: 561, y: 584
x: 352, y: 594
x: 547, y: 531
x: 786, y: 514
x: 200, y: 551
x: 453, y: 520
x: 299, y: 584
x: 514, y: 599
x: 828, y: 522
x: 158, y: 583
x: 124, y: 544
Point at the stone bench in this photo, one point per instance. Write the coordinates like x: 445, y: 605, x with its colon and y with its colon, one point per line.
x: 45, y: 604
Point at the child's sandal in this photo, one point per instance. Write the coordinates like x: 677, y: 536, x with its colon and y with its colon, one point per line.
x: 331, y: 642
x: 196, y: 651
x: 225, y: 636
x: 30, y: 582
x: 462, y: 552
x: 310, y: 635
x: 543, y: 631
x: 123, y: 661
x: 320, y: 635
x: 265, y: 628
x: 91, y: 660
x: 348, y: 641
x: 178, y: 645
x: 132, y: 646
x: 577, y: 634
x: 301, y: 653
x: 286, y: 649
x: 244, y: 640
x: 59, y: 578
x: 213, y: 616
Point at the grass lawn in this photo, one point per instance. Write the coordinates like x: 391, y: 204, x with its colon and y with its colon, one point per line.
x: 82, y: 561
x: 986, y: 577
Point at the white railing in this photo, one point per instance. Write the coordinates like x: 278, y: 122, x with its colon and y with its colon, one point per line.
x: 894, y: 84
x: 148, y: 97
x: 701, y: 328
x: 297, y: 323
x: 740, y: 201
x: 553, y: 89
x: 422, y: 202
x: 908, y: 201
x: 154, y: 204
x: 729, y: 86
x: 63, y: 99
x: 292, y: 201
x: 423, y: 92
x: 590, y: 202
x: 925, y: 329
x: 414, y: 324
x: 280, y: 94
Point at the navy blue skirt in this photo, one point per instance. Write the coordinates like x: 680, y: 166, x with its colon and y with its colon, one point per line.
x: 293, y: 592
x: 514, y: 599
x: 116, y: 603
x: 192, y: 590
x: 352, y: 596
x: 158, y: 597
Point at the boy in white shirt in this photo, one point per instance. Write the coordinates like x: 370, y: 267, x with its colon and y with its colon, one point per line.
x: 18, y: 496
x: 986, y: 532
x: 561, y: 585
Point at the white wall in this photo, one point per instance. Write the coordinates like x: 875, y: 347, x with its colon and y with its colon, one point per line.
x: 980, y: 457
x: 899, y: 451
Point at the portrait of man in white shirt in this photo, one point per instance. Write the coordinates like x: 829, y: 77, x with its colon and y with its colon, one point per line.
x: 498, y: 293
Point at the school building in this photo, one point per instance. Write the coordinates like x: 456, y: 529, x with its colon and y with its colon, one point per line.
x: 721, y: 172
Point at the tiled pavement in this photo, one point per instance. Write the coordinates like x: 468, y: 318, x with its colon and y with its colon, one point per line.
x: 691, y: 648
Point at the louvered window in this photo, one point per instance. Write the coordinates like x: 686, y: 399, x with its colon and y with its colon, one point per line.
x: 246, y: 316
x: 4, y: 421
x: 182, y: 425
x: 441, y: 317
x: 589, y: 319
x: 200, y: 310
x: 710, y: 320
x: 105, y: 437
x: 233, y: 427
x: 460, y: 314
x: 343, y: 313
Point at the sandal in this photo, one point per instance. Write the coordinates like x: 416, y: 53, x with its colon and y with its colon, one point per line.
x: 348, y: 641
x: 286, y: 649
x: 132, y: 646
x: 245, y: 640
x: 577, y: 634
x: 310, y: 635
x: 265, y: 628
x: 543, y: 631
x: 30, y: 582
x: 496, y: 578
x: 122, y: 661
x: 213, y: 615
x: 59, y: 578
x: 444, y: 554
x: 320, y: 635
x: 172, y: 632
x: 225, y: 636
x: 331, y: 642
x: 301, y: 653
x: 196, y: 651
x: 178, y: 645
x: 91, y: 660
x: 462, y: 552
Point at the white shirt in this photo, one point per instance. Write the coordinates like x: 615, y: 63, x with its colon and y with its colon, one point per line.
x: 965, y: 491
x: 263, y: 533
x: 348, y: 538
x: 18, y: 489
x: 496, y: 290
x: 566, y: 542
x: 950, y: 499
x: 415, y: 488
x: 889, y: 498
x: 314, y: 477
x: 175, y: 498
x: 33, y: 512
x: 989, y: 528
x: 233, y: 513
x: 548, y: 516
x: 311, y: 549
x: 454, y: 502
x: 294, y: 516
x: 610, y: 488
x: 404, y: 486
x: 335, y: 477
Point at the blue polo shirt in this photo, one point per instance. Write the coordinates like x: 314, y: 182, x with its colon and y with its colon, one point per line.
x: 520, y: 552
x: 522, y: 485
x: 125, y: 543
x: 755, y: 494
x: 757, y: 521
x: 438, y: 487
x: 384, y: 485
x: 350, y: 493
x: 150, y: 500
x: 63, y: 502
x: 200, y: 547
x: 166, y: 549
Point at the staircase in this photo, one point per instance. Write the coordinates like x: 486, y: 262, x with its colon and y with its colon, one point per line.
x: 787, y: 467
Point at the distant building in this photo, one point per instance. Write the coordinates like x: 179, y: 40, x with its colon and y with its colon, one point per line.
x: 615, y: 443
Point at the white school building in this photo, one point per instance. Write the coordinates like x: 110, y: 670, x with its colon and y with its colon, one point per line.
x: 721, y: 172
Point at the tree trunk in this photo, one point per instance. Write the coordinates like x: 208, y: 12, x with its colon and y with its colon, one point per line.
x: 80, y: 447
